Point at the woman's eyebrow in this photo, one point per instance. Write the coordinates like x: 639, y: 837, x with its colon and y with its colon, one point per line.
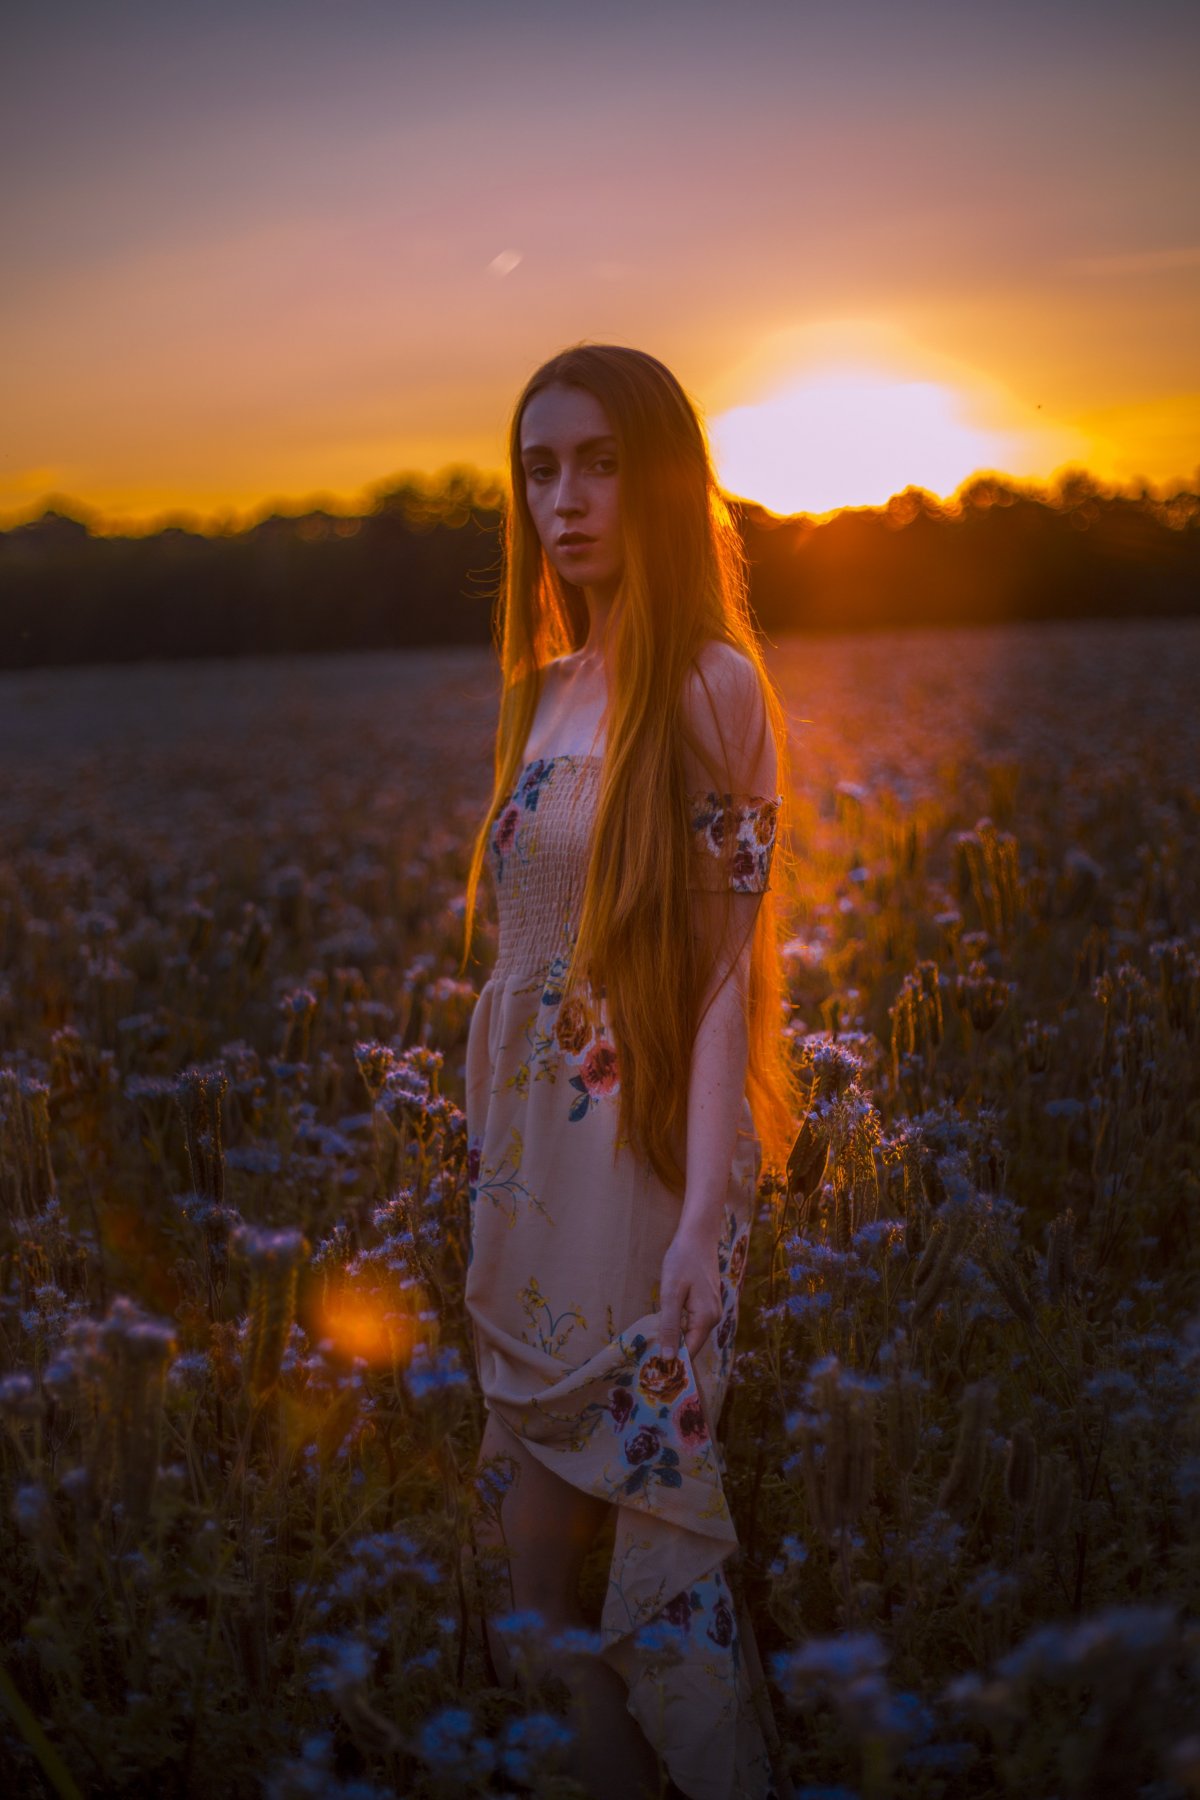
x: 588, y: 444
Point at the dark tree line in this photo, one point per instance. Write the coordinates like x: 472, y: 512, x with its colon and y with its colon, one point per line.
x: 997, y: 552
x: 422, y: 568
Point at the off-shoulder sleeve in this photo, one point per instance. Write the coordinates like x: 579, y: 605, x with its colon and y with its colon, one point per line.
x: 732, y: 841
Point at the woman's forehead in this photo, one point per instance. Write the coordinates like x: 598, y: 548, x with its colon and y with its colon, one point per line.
x: 561, y: 417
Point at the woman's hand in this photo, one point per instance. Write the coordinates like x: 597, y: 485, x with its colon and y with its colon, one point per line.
x: 691, y: 1285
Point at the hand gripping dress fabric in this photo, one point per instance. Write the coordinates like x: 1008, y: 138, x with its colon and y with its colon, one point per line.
x: 568, y: 1232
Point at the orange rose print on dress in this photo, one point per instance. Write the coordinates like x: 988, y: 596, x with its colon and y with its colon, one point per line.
x: 574, y: 1028
x: 662, y: 1378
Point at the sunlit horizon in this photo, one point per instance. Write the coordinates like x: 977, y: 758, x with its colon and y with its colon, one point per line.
x: 828, y: 416
x: 252, y: 259
x: 355, y: 507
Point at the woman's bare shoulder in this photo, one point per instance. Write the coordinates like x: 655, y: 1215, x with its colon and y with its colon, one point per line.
x: 724, y: 711
x: 721, y: 689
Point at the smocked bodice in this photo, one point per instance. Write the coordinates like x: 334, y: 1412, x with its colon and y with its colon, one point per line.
x: 539, y: 851
x: 541, y: 840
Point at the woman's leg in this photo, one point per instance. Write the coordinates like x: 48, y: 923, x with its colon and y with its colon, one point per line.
x: 545, y: 1527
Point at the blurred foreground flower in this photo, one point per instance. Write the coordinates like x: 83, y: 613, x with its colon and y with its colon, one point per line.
x: 274, y: 1259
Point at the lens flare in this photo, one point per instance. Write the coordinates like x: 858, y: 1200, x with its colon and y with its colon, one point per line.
x: 367, y: 1324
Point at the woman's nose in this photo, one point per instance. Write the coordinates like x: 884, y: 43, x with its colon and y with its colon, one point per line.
x: 568, y: 499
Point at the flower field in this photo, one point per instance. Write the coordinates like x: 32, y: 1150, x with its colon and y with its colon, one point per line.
x: 239, y: 1419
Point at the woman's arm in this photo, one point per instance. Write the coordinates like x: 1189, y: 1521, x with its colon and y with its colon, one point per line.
x: 723, y: 708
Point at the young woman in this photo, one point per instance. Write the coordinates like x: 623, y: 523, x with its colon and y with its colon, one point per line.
x: 625, y: 1068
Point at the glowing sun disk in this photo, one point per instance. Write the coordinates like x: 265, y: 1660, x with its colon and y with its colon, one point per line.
x: 851, y: 438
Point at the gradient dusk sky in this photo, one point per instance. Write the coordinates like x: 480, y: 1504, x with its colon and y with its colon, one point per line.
x: 258, y: 252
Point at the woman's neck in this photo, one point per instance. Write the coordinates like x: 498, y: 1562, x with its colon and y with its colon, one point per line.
x: 600, y: 605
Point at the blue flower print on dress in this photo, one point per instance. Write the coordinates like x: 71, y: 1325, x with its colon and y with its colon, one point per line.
x: 552, y: 987
x: 533, y: 776
x: 523, y: 799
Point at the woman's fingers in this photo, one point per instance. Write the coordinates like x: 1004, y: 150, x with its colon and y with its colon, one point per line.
x: 682, y: 1315
x: 689, y: 1304
x: 698, y: 1332
x: 669, y: 1320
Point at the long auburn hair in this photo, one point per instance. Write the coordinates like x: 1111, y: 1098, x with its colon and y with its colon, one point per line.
x: 683, y: 585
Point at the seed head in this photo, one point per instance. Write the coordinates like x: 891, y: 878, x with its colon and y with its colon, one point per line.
x: 199, y: 1098
x: 904, y: 1420
x: 26, y: 1175
x: 375, y: 1063
x: 837, y: 1446
x: 1006, y: 1278
x: 917, y: 1015
x: 963, y: 1483
x: 139, y: 1349
x: 808, y: 1159
x: 981, y: 997
x: 1021, y: 1467
x: 1036, y: 1043
x: 1052, y: 1506
x: 1179, y: 984
x: 1060, y: 1256
x: 939, y: 1263
x: 274, y: 1258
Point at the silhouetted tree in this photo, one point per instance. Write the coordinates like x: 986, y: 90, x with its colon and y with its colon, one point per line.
x: 422, y: 564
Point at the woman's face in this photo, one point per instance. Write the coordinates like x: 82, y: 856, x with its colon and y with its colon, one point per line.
x: 572, y: 485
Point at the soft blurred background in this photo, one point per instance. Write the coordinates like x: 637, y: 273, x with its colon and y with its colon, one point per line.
x: 274, y: 274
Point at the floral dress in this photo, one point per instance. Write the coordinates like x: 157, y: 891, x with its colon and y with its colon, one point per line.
x: 568, y: 1232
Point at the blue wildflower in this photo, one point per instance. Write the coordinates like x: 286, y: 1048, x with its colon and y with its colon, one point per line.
x: 529, y: 1743
x: 439, y: 1373
x: 448, y: 1744
x: 347, y: 1663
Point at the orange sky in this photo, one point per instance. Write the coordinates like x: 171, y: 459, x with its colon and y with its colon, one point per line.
x: 264, y: 252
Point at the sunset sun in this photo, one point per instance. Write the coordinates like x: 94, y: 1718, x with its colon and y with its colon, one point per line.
x: 852, y: 436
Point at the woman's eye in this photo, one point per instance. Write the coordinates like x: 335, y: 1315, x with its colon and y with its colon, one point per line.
x: 539, y: 473
x: 605, y: 465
